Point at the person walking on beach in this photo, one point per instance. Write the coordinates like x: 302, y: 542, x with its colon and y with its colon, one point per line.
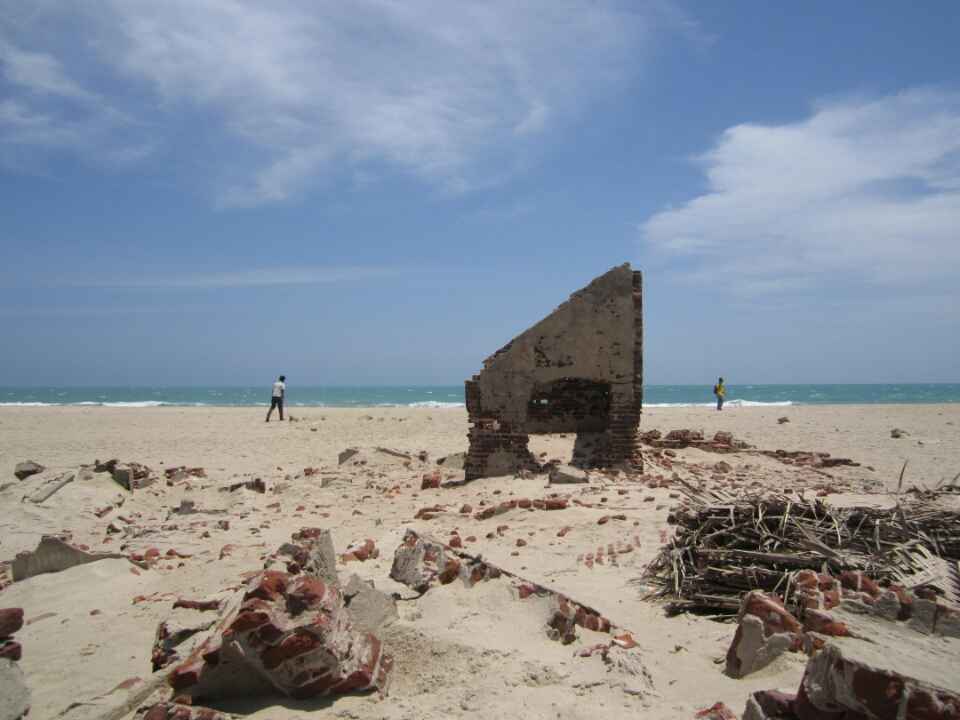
x: 719, y: 390
x: 279, y: 389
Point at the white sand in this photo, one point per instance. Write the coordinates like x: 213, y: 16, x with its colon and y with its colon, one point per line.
x: 459, y: 652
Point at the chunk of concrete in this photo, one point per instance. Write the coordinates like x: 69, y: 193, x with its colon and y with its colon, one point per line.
x: 54, y: 555
x: 290, y: 634
x: 567, y: 474
x: 765, y: 631
x: 914, y: 679
x: 420, y: 562
x: 369, y: 609
x: 345, y: 455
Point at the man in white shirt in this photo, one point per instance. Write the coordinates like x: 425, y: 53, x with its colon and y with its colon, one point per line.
x: 279, y: 389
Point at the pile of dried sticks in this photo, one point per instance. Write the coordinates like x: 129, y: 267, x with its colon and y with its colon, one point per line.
x: 726, y: 545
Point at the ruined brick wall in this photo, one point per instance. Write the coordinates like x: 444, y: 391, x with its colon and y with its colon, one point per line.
x: 584, y: 359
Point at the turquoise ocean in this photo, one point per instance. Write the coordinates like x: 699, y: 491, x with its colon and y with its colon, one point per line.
x: 452, y: 395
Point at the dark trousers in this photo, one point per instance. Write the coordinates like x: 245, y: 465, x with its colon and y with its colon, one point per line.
x: 276, y: 402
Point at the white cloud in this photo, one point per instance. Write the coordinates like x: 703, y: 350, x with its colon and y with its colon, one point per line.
x: 864, y: 191
x: 46, y: 109
x: 293, y: 90
x: 256, y: 277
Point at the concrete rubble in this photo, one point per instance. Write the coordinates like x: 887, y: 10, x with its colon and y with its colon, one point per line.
x: 870, y: 648
x: 292, y: 633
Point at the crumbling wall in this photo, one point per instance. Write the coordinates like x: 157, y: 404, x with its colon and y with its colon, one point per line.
x: 580, y: 369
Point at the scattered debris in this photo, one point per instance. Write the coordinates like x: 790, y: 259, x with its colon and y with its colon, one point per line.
x: 726, y: 545
x: 897, y: 433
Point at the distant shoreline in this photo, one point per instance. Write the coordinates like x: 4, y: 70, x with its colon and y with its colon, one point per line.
x: 442, y: 396
x: 294, y: 409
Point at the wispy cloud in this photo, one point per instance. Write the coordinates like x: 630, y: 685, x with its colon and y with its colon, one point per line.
x: 47, y: 110
x: 294, y: 90
x: 862, y: 191
x: 258, y: 277
x: 40, y: 73
x: 79, y: 311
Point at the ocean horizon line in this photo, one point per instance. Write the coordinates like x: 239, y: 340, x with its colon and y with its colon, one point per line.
x: 452, y: 396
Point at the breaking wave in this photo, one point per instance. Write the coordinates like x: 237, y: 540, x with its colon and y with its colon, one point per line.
x: 728, y: 403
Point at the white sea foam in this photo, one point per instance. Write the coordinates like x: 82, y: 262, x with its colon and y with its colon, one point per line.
x: 27, y: 404
x: 729, y: 403
x: 435, y: 404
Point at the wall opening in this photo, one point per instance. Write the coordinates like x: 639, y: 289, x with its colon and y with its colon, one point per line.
x: 569, y: 405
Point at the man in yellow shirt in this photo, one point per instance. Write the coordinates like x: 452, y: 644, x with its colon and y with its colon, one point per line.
x: 721, y: 392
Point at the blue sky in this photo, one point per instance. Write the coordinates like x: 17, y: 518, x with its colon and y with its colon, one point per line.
x: 215, y: 191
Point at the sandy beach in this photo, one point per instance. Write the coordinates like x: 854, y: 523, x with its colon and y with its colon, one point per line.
x: 459, y: 652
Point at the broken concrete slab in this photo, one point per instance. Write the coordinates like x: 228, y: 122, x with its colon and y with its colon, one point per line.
x: 345, y: 455
x: 765, y: 631
x: 370, y: 609
x: 912, y: 679
x: 47, y: 487
x: 567, y: 474
x: 14, y: 693
x: 26, y: 469
x: 54, y: 555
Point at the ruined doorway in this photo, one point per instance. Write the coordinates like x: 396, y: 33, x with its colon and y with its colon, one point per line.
x: 574, y: 405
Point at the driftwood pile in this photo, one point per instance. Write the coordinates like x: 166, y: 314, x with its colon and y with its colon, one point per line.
x: 726, y: 545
